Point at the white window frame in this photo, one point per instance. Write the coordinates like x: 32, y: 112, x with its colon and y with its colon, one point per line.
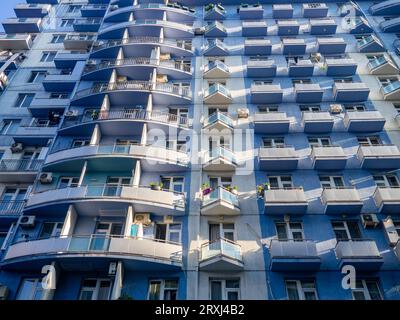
x: 290, y: 229
x: 368, y: 140
x: 281, y: 184
x: 163, y: 287
x: 56, y: 229
x: 48, y: 56
x: 300, y: 290
x: 365, y: 290
x: 273, y: 141
x: 70, y: 184
x: 381, y: 180
x: 225, y: 290
x: 35, y: 290
x: 96, y: 289
x: 173, y: 182
x: 319, y: 141
x: 331, y: 181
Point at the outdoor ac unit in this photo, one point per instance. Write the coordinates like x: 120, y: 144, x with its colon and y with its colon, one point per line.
x: 71, y: 113
x: 143, y: 218
x: 17, y: 147
x: 46, y: 177
x: 27, y: 221
x: 162, y: 78
x: 369, y: 220
x: 3, y: 292
x: 335, y: 108
x: 168, y: 219
x: 112, y: 269
x: 243, y: 113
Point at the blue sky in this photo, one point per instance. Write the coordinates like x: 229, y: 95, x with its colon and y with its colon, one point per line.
x: 7, y: 9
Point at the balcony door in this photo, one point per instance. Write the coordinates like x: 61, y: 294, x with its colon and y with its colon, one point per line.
x: 331, y: 182
x: 386, y: 181
x: 12, y: 199
x: 289, y: 231
x: 114, y: 185
x: 369, y: 141
x: 280, y: 182
x: 221, y: 230
x: 28, y: 159
x: 101, y: 238
x: 346, y: 230
x: 95, y: 289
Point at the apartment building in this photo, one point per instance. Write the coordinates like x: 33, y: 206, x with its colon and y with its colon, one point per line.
x: 196, y: 150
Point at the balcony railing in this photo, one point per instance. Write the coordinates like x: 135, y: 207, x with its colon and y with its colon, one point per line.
x: 290, y: 248
x: 220, y: 247
x: 393, y: 86
x: 216, y: 64
x: 218, y: 116
x: 11, y: 208
x: 18, y: 165
x: 128, y: 114
x: 377, y: 62
x: 222, y: 152
x: 357, y: 249
x: 217, y: 87
x: 221, y: 193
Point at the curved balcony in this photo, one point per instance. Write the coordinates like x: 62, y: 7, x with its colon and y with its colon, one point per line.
x: 138, y: 91
x: 141, y: 66
x: 158, y: 157
x: 147, y: 27
x: 221, y: 255
x: 124, y: 120
x: 140, y: 46
x: 96, y: 196
x: 150, y: 11
x: 147, y: 253
x: 220, y: 201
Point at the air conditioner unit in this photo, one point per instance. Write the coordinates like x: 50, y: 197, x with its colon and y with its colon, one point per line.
x: 161, y: 78
x: 112, y: 269
x: 3, y: 292
x: 316, y: 57
x: 168, y: 219
x: 335, y: 108
x: 243, y: 113
x: 46, y: 177
x: 27, y: 221
x: 143, y: 218
x: 71, y: 113
x: 17, y: 147
x: 369, y: 220
x: 199, y: 31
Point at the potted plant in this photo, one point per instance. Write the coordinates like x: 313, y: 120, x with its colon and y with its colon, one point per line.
x: 95, y: 114
x: 260, y: 190
x: 234, y: 190
x: 205, y: 187
x: 156, y: 186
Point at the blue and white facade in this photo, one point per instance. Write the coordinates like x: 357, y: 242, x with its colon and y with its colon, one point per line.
x: 162, y: 150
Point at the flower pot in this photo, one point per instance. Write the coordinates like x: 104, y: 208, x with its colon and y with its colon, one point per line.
x: 155, y: 187
x: 206, y: 191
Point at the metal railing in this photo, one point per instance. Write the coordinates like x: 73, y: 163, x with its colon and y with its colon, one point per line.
x: 379, y: 61
x: 217, y: 87
x: 293, y: 248
x: 393, y: 86
x: 17, y: 165
x: 11, y: 207
x: 221, y: 193
x: 221, y: 152
x: 220, y: 246
x: 218, y: 116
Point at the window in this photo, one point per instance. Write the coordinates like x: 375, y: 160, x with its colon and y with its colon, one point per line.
x: 396, y: 224
x: 175, y: 184
x: 301, y: 81
x: 179, y: 114
x: 95, y: 289
x: 216, y: 182
x: 24, y: 100
x: 58, y: 38
x: 51, y: 229
x: 30, y: 289
x: 367, y: 290
x: 369, y: 141
x: 74, y: 8
x: 10, y: 126
x: 388, y: 180
x: 212, y: 110
x: 331, y: 182
x: 37, y: 76
x: 262, y: 82
x: 221, y: 230
x: 343, y: 80
x: 280, y: 182
x: 163, y: 290
x: 387, y: 81
x: 269, y: 108
x: 77, y: 143
x: 397, y: 107
x: 289, y: 231
x: 68, y: 182
x: 273, y: 142
x: 114, y: 184
x: 67, y: 23
x: 319, y: 141
x: 346, y: 230
x: 310, y: 107
x: 354, y: 107
x: 48, y: 56
x: 226, y: 289
x: 59, y: 95
x: 168, y: 232
x: 301, y: 290
x: 13, y: 194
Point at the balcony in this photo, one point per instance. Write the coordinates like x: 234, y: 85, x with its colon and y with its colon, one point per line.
x: 215, y: 29
x: 261, y: 68
x: 63, y: 82
x: 379, y: 157
x: 254, y: 28
x: 271, y: 93
x: 69, y: 60
x: 285, y: 201
x: 350, y: 92
x: 93, y: 10
x: 314, y: 10
x: 257, y: 47
x: 340, y: 67
x: 300, y: 68
x: 370, y: 44
x: 391, y: 25
x: 359, y: 25
x: 79, y: 41
x: 41, y: 106
x: 331, y: 45
x: 293, y: 46
x: 139, y: 46
x: 328, y: 157
x: 143, y: 198
x: 22, y: 25
x: 12, y: 209
x: 317, y: 122
x: 391, y: 91
x: 36, y: 129
x: 159, y: 157
x: 382, y: 66
x: 387, y: 199
x: 221, y: 255
x: 271, y: 122
x: 217, y: 94
x: 23, y: 10
x: 325, y: 26
x: 387, y: 7
x: 218, y: 121
x: 87, y: 24
x: 216, y: 69
x: 361, y: 254
x: 21, y: 170
x: 288, y: 27
x: 344, y: 200
x: 147, y: 253
x: 216, y: 47
x: 308, y: 92
x: 220, y: 159
x: 364, y: 121
x: 214, y: 12
x: 290, y: 255
x: 138, y: 91
x: 219, y: 202
x: 278, y: 158
x: 282, y: 11
x: 252, y: 12
x: 15, y: 41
